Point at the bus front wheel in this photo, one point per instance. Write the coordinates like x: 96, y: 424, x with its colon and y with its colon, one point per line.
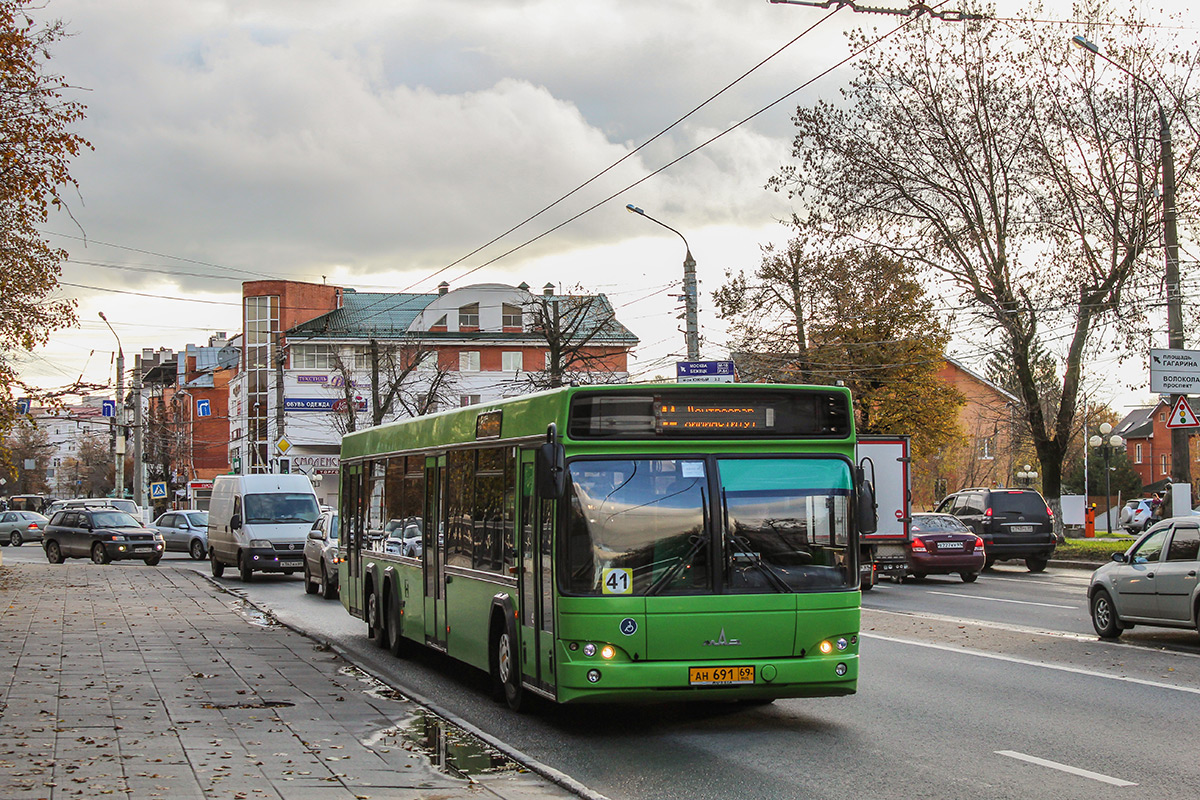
x: 506, y: 671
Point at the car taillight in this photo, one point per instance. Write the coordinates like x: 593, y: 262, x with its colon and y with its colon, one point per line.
x: 988, y: 513
x: 978, y: 543
x: 33, y: 526
x: 918, y: 545
x: 1050, y: 511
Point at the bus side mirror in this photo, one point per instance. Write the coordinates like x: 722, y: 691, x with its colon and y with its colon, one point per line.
x: 868, y: 515
x: 551, y: 466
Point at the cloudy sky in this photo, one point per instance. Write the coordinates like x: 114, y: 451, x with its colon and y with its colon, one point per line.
x: 382, y: 144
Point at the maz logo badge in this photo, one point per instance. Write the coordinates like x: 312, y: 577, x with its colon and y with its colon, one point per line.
x: 721, y: 641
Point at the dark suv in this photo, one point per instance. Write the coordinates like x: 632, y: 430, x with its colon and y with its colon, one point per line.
x: 102, y: 534
x: 1013, y: 523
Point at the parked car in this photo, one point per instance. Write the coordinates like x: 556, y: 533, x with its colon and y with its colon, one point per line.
x: 185, y: 532
x: 322, y: 556
x: 18, y: 527
x: 941, y: 544
x: 1151, y: 583
x: 1013, y: 523
x: 103, y: 534
x: 1135, y: 515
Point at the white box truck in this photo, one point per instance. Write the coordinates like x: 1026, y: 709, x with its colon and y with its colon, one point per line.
x: 259, y: 523
x: 887, y: 460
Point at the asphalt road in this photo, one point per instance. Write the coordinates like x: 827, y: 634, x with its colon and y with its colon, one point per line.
x: 997, y: 689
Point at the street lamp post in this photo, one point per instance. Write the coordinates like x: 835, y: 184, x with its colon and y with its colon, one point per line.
x: 1107, y: 447
x: 692, y: 332
x: 1028, y: 475
x: 118, y: 417
x: 1181, y: 463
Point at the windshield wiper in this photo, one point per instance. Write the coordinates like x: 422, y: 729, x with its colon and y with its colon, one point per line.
x: 746, y: 550
x: 699, y: 542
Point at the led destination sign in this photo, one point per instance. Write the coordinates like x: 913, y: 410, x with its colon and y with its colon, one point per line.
x: 670, y: 417
x: 710, y: 412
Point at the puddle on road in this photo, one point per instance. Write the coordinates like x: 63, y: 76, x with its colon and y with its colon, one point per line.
x: 450, y: 749
x: 255, y: 616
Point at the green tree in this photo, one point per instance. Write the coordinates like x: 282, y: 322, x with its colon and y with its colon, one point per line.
x: 859, y: 318
x: 36, y: 148
x: 1017, y: 170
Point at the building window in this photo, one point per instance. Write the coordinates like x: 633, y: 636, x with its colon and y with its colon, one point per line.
x: 312, y: 356
x: 510, y: 316
x: 1138, y: 453
x: 469, y: 400
x: 1162, y: 417
x: 468, y: 316
x: 468, y: 361
x: 1166, y: 464
x: 511, y: 361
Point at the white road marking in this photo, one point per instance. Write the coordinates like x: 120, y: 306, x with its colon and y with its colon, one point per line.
x: 1083, y: 773
x: 1026, y: 662
x: 1000, y: 600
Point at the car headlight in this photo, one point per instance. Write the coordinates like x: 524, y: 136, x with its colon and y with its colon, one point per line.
x: 261, y: 543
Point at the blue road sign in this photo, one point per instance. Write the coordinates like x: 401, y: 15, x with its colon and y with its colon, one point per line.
x: 704, y: 372
x: 203, y: 408
x: 22, y: 405
x: 108, y: 408
x: 158, y: 490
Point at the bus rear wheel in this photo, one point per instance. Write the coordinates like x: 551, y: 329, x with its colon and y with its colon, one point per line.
x: 506, y: 671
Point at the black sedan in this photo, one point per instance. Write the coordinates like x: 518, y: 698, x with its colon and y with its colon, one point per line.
x: 942, y: 545
x: 103, y: 534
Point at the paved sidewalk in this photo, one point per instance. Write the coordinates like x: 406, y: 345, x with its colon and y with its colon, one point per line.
x: 141, y: 682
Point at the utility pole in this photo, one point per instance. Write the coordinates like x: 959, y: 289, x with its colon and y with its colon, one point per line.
x: 139, y: 475
x: 1181, y: 460
x: 280, y: 417
x: 691, y: 304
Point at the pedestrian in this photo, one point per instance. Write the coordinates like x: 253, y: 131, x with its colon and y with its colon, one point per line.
x: 1156, y: 507
x: 1165, y: 510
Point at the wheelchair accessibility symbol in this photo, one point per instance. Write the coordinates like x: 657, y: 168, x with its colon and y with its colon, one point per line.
x: 629, y: 626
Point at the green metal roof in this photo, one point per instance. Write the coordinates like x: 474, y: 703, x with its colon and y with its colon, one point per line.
x: 366, y: 314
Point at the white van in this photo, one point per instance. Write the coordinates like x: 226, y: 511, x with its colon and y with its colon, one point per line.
x: 259, y: 523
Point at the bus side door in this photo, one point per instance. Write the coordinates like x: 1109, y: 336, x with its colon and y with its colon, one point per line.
x: 536, y: 580
x: 434, y: 553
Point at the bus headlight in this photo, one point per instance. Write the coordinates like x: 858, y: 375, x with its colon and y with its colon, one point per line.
x: 608, y: 651
x: 840, y: 670
x: 841, y: 643
x: 593, y: 676
x: 589, y: 649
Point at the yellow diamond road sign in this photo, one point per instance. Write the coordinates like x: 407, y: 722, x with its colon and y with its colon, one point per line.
x: 283, y: 445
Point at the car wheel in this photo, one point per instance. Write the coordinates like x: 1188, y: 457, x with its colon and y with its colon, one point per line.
x: 968, y: 577
x: 1104, y: 616
x: 54, y: 553
x: 152, y: 561
x: 196, y: 550
x: 245, y: 572
x: 506, y: 672
x: 309, y: 586
x: 218, y: 569
x: 15, y: 539
x: 1036, y: 563
x: 918, y: 576
x: 99, y: 554
x: 328, y: 586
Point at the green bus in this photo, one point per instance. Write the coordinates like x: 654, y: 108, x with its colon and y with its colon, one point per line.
x: 624, y: 543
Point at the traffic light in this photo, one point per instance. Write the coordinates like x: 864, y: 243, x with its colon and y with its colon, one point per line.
x: 285, y: 466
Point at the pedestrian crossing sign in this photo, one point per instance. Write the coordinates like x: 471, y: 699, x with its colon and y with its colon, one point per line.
x: 158, y: 490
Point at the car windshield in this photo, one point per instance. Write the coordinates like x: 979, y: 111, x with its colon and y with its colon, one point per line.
x: 281, y: 507
x: 937, y: 523
x: 676, y: 526
x: 114, y: 519
x: 199, y: 519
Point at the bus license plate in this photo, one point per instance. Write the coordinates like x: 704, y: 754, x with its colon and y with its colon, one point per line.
x: 720, y: 676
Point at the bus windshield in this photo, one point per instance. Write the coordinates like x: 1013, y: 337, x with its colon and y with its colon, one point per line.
x: 699, y: 526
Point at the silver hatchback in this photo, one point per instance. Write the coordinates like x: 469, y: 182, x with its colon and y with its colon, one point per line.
x: 185, y: 531
x: 322, y: 556
x: 1154, y: 582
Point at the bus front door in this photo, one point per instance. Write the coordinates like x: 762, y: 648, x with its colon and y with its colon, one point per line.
x: 433, y: 553
x: 536, y: 581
